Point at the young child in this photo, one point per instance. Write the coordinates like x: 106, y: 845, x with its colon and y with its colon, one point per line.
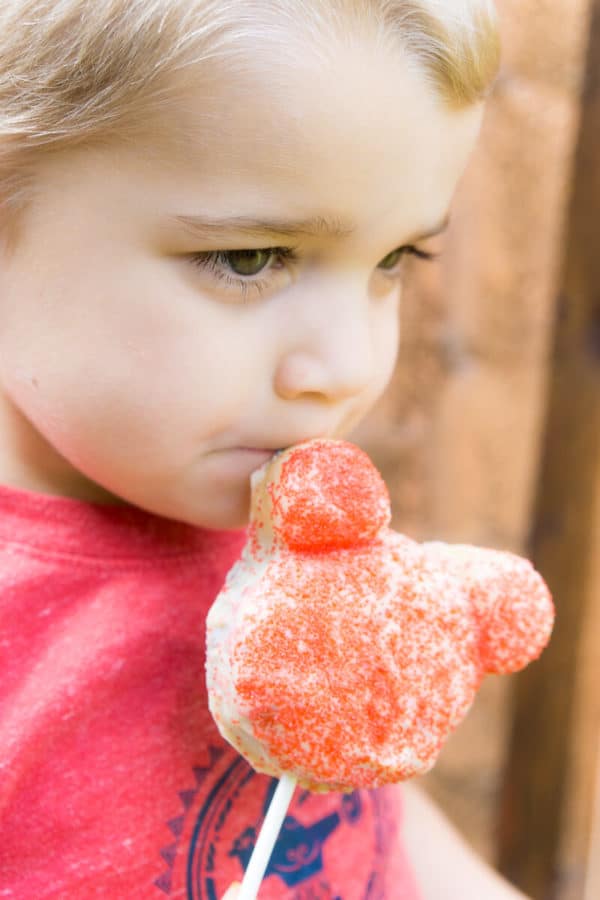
x: 207, y: 210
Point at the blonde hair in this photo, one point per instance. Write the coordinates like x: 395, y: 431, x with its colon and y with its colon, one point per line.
x: 87, y: 71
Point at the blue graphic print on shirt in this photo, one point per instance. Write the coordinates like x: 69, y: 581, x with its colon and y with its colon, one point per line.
x: 331, y: 846
x: 297, y: 855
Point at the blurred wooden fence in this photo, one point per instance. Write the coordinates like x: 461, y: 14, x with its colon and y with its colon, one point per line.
x: 490, y: 433
x: 551, y: 776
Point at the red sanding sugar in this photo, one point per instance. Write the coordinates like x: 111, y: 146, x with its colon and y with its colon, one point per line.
x: 362, y: 665
x: 345, y: 653
x: 329, y: 495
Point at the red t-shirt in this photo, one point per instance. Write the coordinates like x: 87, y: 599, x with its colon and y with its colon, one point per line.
x: 114, y: 781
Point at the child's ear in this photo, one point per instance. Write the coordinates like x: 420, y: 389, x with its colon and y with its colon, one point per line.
x: 512, y: 606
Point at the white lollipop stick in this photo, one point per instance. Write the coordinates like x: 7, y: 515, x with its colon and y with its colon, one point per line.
x: 267, y: 837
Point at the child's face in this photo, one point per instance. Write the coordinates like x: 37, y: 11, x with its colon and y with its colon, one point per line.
x: 141, y: 374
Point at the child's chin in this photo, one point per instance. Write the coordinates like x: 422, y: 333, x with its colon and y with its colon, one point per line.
x: 226, y: 514
x: 225, y: 510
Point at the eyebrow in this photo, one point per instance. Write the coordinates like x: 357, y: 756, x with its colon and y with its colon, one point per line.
x: 317, y: 226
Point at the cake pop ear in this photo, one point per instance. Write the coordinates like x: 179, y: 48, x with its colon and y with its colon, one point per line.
x: 324, y: 495
x: 511, y: 604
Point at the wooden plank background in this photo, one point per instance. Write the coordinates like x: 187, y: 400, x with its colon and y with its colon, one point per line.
x: 551, y: 776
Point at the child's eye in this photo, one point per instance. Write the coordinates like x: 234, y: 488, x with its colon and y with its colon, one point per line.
x: 247, y: 262
x: 389, y: 262
x: 240, y: 268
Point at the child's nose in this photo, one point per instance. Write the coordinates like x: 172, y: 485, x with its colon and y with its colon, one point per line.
x: 329, y: 351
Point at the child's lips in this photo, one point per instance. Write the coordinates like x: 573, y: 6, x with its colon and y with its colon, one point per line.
x: 242, y: 461
x: 263, y: 453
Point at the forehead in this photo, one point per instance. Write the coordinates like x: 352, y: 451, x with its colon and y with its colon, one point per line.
x: 354, y: 136
x: 354, y: 133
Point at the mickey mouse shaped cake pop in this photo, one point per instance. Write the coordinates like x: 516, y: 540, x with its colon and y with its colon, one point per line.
x: 343, y: 653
